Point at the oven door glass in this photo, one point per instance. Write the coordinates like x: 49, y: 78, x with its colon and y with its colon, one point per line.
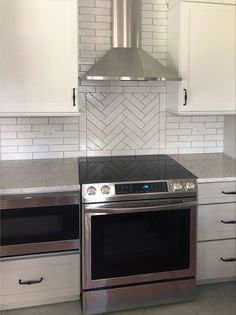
x: 40, y: 224
x: 139, y: 243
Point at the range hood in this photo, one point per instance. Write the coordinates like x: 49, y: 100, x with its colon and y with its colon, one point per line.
x: 127, y: 60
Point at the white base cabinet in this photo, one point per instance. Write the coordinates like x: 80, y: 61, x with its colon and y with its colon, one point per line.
x: 40, y: 280
x: 216, y: 248
x: 201, y: 48
x: 212, y: 264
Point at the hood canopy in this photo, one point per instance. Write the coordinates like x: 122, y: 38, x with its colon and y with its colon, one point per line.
x: 126, y: 60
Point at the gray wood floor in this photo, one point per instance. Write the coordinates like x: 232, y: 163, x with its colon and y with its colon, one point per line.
x: 217, y: 299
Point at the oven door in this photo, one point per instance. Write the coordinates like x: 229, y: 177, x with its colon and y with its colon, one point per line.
x: 138, y: 242
x: 39, y: 223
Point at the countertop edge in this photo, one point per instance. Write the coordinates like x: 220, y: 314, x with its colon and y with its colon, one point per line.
x: 216, y: 180
x: 40, y: 190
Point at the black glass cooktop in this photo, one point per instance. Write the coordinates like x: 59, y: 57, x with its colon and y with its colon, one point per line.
x: 130, y: 168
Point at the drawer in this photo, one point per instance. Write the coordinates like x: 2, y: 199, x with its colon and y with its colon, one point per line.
x: 209, y: 264
x: 26, y: 281
x: 212, y: 192
x: 210, y: 225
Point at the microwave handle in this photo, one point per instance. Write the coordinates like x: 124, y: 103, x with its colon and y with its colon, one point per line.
x: 105, y: 210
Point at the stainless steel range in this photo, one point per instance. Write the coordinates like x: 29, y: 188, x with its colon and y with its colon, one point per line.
x: 138, y: 232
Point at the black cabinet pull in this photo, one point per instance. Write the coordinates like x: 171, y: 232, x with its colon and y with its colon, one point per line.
x: 29, y: 282
x: 73, y: 97
x: 228, y: 222
x: 185, y: 97
x: 228, y: 259
x: 229, y: 192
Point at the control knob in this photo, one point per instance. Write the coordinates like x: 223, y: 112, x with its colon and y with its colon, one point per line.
x: 177, y: 186
x: 189, y: 185
x: 91, y: 190
x: 105, y: 189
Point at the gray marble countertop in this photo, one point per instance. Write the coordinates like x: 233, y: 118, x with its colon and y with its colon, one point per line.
x: 57, y: 175
x: 210, y: 167
x: 39, y: 176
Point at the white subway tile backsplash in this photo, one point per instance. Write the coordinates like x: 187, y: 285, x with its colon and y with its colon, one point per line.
x: 214, y: 150
x: 214, y: 137
x: 16, y: 142
x: 191, y: 125
x: 96, y: 25
x: 47, y: 128
x: 160, y: 22
x: 190, y: 150
x: 84, y: 32
x: 178, y: 132
x: 64, y: 147
x: 178, y: 144
x: 117, y: 118
x: 168, y: 151
x: 103, y: 4
x: 42, y: 141
x: 9, y: 149
x: 87, y: 18
x: 86, y: 3
x: 160, y: 7
x: 34, y: 148
x: 104, y: 18
x: 220, y: 131
x: 32, y: 120
x: 153, y: 14
x: 8, y: 135
x: 94, y: 39
x: 147, y: 21
x: 147, y: 6
x: 7, y: 121
x: 29, y: 135
x: 92, y: 53
x: 48, y: 155
x: 69, y: 127
x: 71, y: 141
x: 172, y: 125
x: 204, y: 118
x: 73, y: 154
x: 95, y: 11
x: 172, y: 138
x: 87, y: 46
x: 214, y: 124
x: 211, y: 131
x: 192, y: 138
x: 15, y: 128
x: 17, y: 156
x: 63, y: 120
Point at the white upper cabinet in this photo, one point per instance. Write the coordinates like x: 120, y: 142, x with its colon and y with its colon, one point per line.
x: 38, y: 57
x: 201, y: 46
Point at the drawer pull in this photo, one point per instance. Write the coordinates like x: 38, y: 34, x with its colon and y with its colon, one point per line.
x: 29, y: 282
x: 228, y: 259
x: 228, y: 222
x: 229, y: 192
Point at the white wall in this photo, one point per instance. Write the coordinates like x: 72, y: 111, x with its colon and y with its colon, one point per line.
x: 117, y: 118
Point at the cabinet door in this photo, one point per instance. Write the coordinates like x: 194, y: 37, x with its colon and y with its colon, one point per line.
x: 207, y: 54
x: 216, y: 261
x: 39, y: 280
x: 216, y: 221
x: 38, y: 56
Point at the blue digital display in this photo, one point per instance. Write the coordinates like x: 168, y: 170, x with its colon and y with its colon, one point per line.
x: 146, y: 186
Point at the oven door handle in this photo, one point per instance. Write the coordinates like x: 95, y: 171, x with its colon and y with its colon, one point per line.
x: 105, y: 210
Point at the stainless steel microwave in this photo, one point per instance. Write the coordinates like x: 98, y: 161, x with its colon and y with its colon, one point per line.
x: 39, y: 223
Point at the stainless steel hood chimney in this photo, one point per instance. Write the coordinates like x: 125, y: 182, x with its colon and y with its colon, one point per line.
x: 126, y: 60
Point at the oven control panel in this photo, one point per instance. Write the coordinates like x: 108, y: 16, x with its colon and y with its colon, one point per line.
x: 130, y: 190
x: 140, y: 188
